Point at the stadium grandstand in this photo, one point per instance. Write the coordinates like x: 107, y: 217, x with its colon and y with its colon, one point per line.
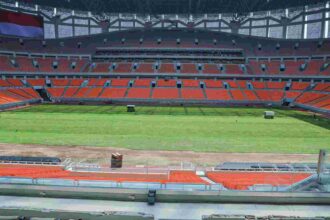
x: 158, y: 109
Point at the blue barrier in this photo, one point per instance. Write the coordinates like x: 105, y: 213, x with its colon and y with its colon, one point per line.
x: 111, y: 184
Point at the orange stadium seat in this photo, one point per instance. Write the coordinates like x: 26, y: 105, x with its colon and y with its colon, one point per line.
x: 113, y: 93
x: 190, y: 83
x: 36, y: 82
x: 250, y: 95
x: 123, y: 68
x: 167, y: 68
x: 237, y: 95
x: 138, y: 93
x: 211, y: 69
x: 55, y: 92
x: 145, y: 68
x: 96, y: 82
x: 81, y: 92
x: 213, y: 83
x: 299, y: 85
x: 93, y: 92
x: 142, y: 83
x: 120, y: 82
x: 60, y: 82
x: 233, y: 69
x: 217, y: 94
x: 188, y: 68
x: 69, y: 92
x: 165, y: 93
x: 166, y: 83
x: 192, y: 93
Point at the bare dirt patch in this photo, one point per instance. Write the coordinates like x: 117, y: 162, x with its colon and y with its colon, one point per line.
x: 150, y: 158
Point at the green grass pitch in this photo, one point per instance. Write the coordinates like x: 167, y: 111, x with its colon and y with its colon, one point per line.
x: 205, y: 129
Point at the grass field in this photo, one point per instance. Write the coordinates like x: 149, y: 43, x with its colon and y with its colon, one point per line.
x: 167, y: 128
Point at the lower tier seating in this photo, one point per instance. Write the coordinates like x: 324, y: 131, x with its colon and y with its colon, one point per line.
x: 39, y: 171
x: 314, y: 94
x: 244, y: 180
x: 17, y: 95
x: 234, y: 180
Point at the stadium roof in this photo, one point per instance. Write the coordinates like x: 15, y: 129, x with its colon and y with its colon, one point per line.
x: 173, y: 6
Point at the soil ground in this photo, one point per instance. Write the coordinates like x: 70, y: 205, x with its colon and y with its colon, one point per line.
x: 149, y: 158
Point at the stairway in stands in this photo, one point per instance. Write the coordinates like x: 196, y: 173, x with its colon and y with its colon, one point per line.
x: 43, y: 94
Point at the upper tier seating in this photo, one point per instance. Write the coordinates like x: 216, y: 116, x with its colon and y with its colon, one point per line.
x: 167, y: 68
x: 65, y: 65
x: 299, y: 85
x: 233, y: 69
x: 322, y: 87
x: 211, y: 69
x: 6, y: 65
x: 258, y: 85
x: 292, y: 67
x: 275, y: 85
x: 60, y: 82
x: 123, y: 68
x: 25, y: 64
x: 188, y: 68
x: 145, y: 68
x: 190, y: 83
x: 241, y: 84
x: 142, y: 82
x: 120, y: 82
x: 232, y: 83
x: 166, y: 83
x: 96, y: 82
x: 313, y: 67
x: 45, y: 64
x: 249, y: 44
x: 15, y: 82
x: 76, y: 82
x: 36, y: 82
x: 101, y: 67
x: 213, y: 83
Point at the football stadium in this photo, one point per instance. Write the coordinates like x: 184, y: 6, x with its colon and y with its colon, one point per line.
x: 165, y: 109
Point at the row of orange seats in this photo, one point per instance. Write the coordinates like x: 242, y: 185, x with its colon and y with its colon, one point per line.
x: 168, y: 93
x: 185, y: 68
x: 313, y: 67
x: 23, y: 63
x: 38, y: 171
x: 15, y: 95
x: 124, y: 82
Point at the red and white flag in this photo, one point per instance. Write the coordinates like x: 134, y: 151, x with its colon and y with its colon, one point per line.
x: 19, y: 24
